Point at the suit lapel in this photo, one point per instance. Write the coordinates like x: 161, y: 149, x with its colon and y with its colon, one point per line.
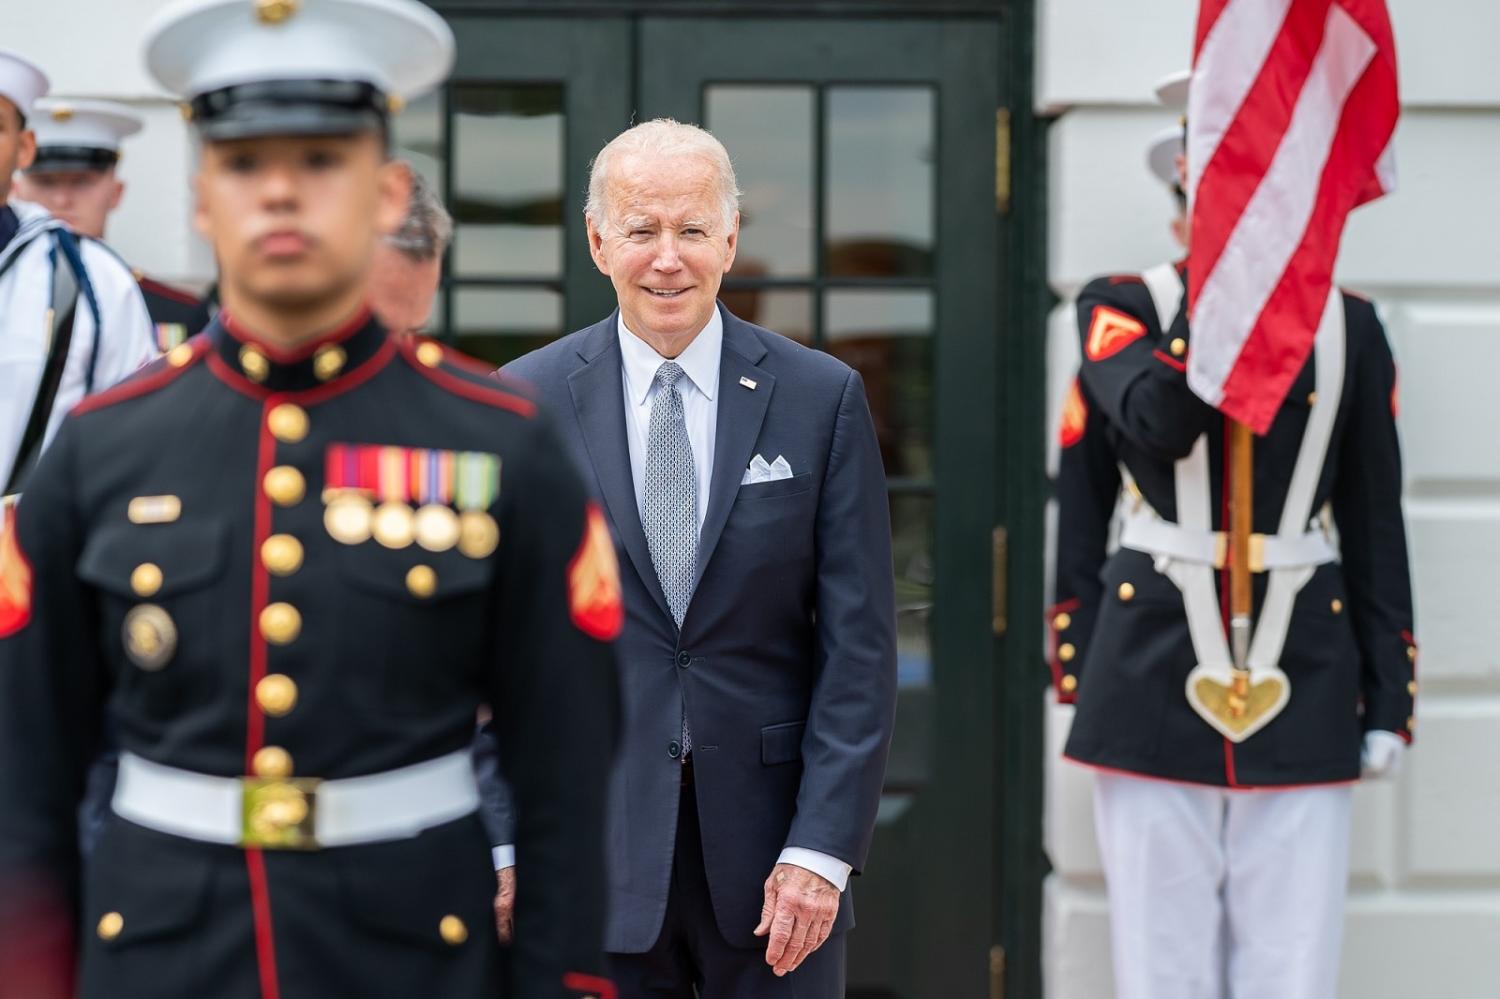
x: 742, y: 410
x: 598, y: 399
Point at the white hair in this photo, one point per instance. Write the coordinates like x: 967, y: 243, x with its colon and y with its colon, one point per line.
x: 662, y: 137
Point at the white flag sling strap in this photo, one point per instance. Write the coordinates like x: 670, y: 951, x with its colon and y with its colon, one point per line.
x: 1189, y: 551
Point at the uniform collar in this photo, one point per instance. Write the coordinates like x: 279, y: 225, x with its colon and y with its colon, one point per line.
x: 320, y: 361
x: 700, y: 362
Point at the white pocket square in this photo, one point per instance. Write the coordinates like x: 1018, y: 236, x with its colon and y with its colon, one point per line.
x: 761, y: 470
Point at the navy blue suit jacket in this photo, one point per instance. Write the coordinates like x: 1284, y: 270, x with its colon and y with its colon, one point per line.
x: 786, y: 660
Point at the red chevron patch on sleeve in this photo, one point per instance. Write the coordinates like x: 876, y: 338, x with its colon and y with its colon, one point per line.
x: 597, y: 606
x: 15, y: 574
x: 1075, y: 417
x: 1111, y: 332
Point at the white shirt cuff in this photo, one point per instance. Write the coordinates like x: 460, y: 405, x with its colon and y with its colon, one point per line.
x: 829, y: 868
x: 504, y: 856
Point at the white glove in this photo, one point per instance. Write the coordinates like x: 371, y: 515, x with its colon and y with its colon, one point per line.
x: 1382, y: 755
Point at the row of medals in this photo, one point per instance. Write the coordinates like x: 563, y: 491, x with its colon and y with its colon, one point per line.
x: 352, y: 519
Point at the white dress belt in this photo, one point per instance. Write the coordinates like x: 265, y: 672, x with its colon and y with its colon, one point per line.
x: 1144, y: 531
x: 396, y: 804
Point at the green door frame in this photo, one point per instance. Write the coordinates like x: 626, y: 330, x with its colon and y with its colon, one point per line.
x: 593, y: 47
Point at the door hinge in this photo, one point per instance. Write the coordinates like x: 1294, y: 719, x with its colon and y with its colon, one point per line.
x: 997, y: 972
x: 1002, y: 160
x: 999, y: 560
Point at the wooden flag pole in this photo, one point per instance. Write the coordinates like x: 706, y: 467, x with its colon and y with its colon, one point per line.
x: 1241, y: 500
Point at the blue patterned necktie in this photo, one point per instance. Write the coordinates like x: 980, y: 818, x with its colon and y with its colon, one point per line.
x: 670, y: 517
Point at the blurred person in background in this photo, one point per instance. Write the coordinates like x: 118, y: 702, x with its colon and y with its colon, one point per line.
x: 72, y: 320
x: 74, y: 177
x: 408, y: 265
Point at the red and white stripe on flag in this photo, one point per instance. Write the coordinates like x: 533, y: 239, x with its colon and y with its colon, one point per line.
x: 1290, y: 116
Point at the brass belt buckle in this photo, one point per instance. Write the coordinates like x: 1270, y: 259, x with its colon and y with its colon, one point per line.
x: 279, y: 814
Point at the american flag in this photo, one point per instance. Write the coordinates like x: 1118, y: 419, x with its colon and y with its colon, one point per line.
x: 1290, y: 116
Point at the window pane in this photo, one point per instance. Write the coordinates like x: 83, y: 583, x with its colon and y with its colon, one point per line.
x: 879, y: 181
x: 787, y: 311
x: 768, y: 131
x: 507, y: 196
x: 887, y: 337
x: 499, y: 325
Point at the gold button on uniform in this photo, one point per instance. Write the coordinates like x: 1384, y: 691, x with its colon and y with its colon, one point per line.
x: 285, y: 485
x: 180, y: 355
x: 145, y: 581
x: 281, y: 554
x: 280, y: 623
x: 1312, y: 398
x: 1062, y: 622
x: 453, y: 930
x: 328, y: 361
x: 1337, y: 606
x: 276, y: 694
x: 1411, y: 688
x: 1178, y: 346
x: 430, y: 354
x: 421, y: 581
x: 273, y: 762
x: 254, y: 364
x: 1411, y: 653
x: 1069, y: 683
x: 1127, y: 592
x: 1066, y: 652
x: 287, y: 422
x: 1411, y: 724
x: 110, y: 925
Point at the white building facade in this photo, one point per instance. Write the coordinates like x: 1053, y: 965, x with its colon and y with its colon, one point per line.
x: 1424, y: 911
x: 1424, y: 908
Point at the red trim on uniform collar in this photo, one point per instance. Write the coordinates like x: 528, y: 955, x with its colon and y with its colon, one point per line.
x: 284, y: 355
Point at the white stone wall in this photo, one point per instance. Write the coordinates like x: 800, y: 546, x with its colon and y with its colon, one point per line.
x: 92, y: 48
x: 1424, y: 910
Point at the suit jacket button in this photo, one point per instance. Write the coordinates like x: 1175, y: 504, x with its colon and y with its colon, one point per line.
x: 674, y: 749
x: 683, y: 659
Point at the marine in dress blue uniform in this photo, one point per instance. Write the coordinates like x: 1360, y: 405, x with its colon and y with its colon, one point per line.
x: 292, y: 605
x: 72, y: 320
x: 1216, y: 891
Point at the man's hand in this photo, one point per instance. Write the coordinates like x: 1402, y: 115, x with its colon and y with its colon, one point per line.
x: 798, y: 914
x: 505, y: 903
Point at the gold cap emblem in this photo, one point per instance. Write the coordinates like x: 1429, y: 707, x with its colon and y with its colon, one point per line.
x: 62, y: 113
x: 275, y: 11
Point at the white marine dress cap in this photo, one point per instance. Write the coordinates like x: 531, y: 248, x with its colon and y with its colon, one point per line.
x: 252, y: 68
x: 21, y: 82
x: 79, y: 134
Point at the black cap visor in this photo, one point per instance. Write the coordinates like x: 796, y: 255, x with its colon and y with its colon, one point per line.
x: 290, y: 107
x: 72, y: 159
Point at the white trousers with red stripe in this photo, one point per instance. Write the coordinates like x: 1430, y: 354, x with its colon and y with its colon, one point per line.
x: 1217, y: 894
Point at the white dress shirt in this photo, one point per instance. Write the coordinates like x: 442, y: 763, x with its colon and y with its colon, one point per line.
x: 699, y: 388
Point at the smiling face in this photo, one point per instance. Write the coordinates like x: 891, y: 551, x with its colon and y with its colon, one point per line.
x: 665, y: 245
x: 293, y: 220
x: 81, y: 198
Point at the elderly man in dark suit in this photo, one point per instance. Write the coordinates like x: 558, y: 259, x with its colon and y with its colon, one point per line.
x: 743, y: 481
